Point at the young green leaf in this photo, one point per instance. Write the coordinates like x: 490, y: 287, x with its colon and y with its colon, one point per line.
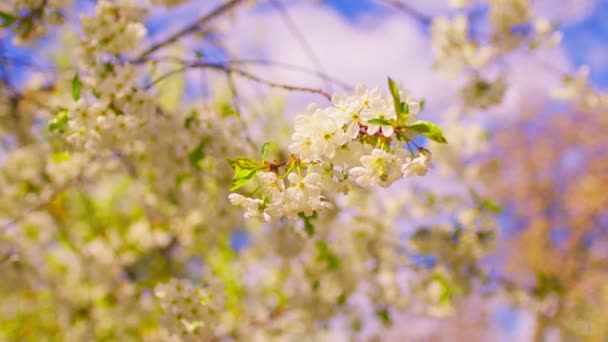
x: 265, y: 150
x: 392, y: 86
x: 309, y: 228
x: 380, y: 122
x: 76, y: 85
x: 326, y: 254
x: 197, y: 155
x: 245, y: 163
x: 429, y: 130
x: 6, y: 19
x: 59, y: 157
x: 242, y: 177
x: 405, y: 109
x: 491, y: 206
x: 385, y: 316
x: 59, y: 123
x: 401, y: 108
x: 244, y: 170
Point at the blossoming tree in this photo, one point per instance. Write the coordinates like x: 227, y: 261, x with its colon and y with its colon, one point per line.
x: 131, y: 211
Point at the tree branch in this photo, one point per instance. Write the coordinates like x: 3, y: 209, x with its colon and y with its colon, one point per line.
x: 245, y: 74
x: 189, y: 29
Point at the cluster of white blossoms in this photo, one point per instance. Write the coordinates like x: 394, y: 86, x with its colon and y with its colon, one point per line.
x: 483, y: 94
x: 31, y: 18
x: 458, y: 45
x: 576, y: 89
x: 117, y: 105
x: 111, y: 100
x: 507, y: 14
x: 360, y: 140
x: 453, y: 49
x: 188, y: 309
x: 115, y: 28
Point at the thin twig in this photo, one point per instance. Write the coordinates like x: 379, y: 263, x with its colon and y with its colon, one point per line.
x: 409, y: 10
x: 235, y: 100
x: 291, y: 26
x: 294, y: 67
x: 191, y: 28
x: 244, y: 74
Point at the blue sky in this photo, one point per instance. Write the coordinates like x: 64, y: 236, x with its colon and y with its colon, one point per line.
x: 585, y: 42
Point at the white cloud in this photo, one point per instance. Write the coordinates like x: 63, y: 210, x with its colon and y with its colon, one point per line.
x: 364, y: 52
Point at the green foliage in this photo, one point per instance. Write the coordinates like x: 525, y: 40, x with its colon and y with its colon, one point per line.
x: 221, y: 263
x: 76, y: 85
x: 59, y: 123
x: 380, y: 122
x: 327, y: 255
x: 191, y: 119
x: 547, y: 284
x: 485, y: 203
x: 401, y: 108
x: 59, y: 157
x: 265, y: 150
x: 429, y: 130
x: 197, y: 155
x: 309, y: 227
x: 244, y: 170
x: 385, y: 316
x: 448, y: 290
x: 6, y: 19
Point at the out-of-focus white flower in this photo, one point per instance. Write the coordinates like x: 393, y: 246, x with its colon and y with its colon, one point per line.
x: 417, y: 166
x: 377, y: 169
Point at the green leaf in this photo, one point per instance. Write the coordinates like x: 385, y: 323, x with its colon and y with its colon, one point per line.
x: 448, y: 290
x: 309, y: 228
x: 429, y: 130
x: 197, y: 155
x: 191, y: 119
x: 380, y: 122
x: 385, y: 316
x: 59, y: 123
x: 246, y: 163
x: 59, y: 157
x: 242, y: 177
x: 491, y: 206
x: 265, y: 150
x: 422, y: 104
x: 6, y: 19
x: 326, y: 254
x: 400, y: 107
x: 244, y: 170
x: 221, y: 264
x: 485, y: 203
x: 226, y: 109
x: 76, y: 85
x: 392, y: 86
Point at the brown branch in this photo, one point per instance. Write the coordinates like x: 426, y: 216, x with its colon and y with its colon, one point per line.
x: 272, y: 84
x: 242, y: 73
x: 269, y: 63
x: 226, y: 7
